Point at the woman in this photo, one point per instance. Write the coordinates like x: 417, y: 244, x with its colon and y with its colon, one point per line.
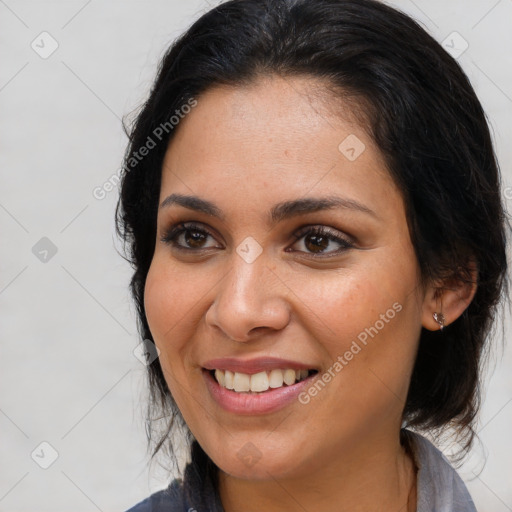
x: 312, y: 208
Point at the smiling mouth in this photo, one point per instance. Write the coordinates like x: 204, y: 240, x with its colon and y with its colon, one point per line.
x: 261, y: 381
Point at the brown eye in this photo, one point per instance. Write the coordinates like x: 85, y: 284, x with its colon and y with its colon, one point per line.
x: 189, y: 237
x: 316, y: 243
x: 317, y: 239
x: 194, y: 238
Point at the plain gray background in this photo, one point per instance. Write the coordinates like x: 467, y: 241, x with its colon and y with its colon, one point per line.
x: 68, y: 373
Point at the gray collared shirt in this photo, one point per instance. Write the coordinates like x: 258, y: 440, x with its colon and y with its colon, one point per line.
x: 440, y: 488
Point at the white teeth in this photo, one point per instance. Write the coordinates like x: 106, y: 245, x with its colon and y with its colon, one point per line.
x: 276, y: 379
x: 259, y: 382
x: 289, y: 377
x: 228, y: 379
x: 219, y: 375
x: 241, y: 382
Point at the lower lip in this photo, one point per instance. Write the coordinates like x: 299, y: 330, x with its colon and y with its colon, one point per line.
x: 254, y: 403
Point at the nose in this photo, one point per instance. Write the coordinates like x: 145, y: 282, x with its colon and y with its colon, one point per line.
x: 249, y: 300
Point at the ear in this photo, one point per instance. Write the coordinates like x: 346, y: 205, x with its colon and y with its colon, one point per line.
x: 450, y: 296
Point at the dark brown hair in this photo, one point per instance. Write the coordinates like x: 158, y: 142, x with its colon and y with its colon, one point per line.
x: 423, y: 115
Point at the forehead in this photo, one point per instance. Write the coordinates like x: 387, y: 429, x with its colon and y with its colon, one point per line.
x: 276, y: 136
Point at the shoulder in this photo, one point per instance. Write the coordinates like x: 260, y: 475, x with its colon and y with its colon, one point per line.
x: 170, y: 499
x: 195, y: 493
x: 439, y: 487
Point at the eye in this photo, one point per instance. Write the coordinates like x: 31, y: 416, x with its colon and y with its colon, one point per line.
x: 315, y: 240
x: 188, y: 236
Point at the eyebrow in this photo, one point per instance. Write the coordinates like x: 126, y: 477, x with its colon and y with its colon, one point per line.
x: 279, y: 212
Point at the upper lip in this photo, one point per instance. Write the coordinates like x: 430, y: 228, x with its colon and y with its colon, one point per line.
x: 256, y: 365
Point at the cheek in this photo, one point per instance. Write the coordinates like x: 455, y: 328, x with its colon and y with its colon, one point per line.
x: 159, y: 302
x: 169, y: 306
x: 340, y: 307
x: 370, y: 317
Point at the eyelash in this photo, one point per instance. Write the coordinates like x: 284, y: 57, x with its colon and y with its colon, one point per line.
x: 171, y: 235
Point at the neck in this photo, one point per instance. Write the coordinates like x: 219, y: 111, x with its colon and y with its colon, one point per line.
x: 372, y: 476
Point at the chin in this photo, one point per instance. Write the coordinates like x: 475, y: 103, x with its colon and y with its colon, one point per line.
x: 250, y: 463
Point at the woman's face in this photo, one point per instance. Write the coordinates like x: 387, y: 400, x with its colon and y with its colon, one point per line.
x: 295, y: 255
